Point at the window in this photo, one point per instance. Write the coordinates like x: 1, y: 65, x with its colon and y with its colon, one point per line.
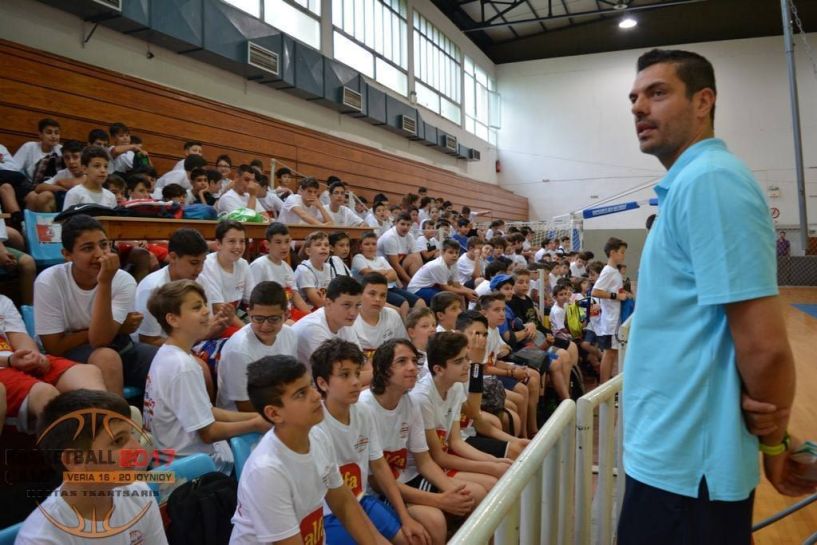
x: 437, y: 70
x: 298, y: 18
x: 253, y: 7
x: 371, y: 36
x: 481, y: 102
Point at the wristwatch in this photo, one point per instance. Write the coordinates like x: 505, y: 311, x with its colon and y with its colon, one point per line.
x: 776, y: 450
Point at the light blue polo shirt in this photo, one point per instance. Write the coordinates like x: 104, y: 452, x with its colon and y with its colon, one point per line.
x: 712, y: 243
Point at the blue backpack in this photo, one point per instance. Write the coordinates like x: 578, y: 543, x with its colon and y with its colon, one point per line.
x: 200, y: 212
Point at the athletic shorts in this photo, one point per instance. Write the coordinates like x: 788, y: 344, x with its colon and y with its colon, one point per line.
x: 607, y: 342
x: 19, y: 384
x: 420, y: 483
x: 489, y: 445
x: 379, y: 512
x: 590, y: 336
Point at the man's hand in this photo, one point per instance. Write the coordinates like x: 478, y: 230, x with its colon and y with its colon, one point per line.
x: 29, y: 361
x: 415, y: 533
x: 253, y: 188
x: 7, y: 261
x: 132, y: 322
x: 108, y: 265
x: 530, y: 330
x: 457, y: 501
x: 785, y: 475
x: 261, y: 425
x: 761, y: 418
x: 476, y: 348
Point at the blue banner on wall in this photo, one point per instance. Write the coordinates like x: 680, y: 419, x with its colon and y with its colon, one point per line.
x: 606, y: 210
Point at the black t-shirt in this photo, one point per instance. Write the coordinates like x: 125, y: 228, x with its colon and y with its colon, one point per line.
x: 525, y: 310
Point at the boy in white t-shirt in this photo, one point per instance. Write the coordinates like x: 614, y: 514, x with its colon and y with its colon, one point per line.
x: 439, y: 275
x: 294, y: 469
x: 226, y: 275
x: 123, y: 151
x: 420, y: 326
x: 376, y: 322
x: 90, y: 191
x: 469, y: 265
x: 398, y: 247
x: 30, y: 153
x: 48, y: 195
x: 83, y: 307
x: 423, y: 484
x: 336, y: 366
x: 243, y: 193
x: 440, y: 396
x: 274, y: 267
x: 265, y: 335
x: 82, y: 511
x: 305, y: 207
x: 341, y: 214
x: 609, y: 289
x: 177, y: 409
x: 312, y: 275
x: 446, y: 306
x: 427, y: 244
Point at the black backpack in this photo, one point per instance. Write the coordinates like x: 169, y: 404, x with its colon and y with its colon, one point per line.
x: 200, y: 511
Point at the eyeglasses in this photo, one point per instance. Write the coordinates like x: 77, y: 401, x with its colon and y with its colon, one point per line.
x: 271, y: 320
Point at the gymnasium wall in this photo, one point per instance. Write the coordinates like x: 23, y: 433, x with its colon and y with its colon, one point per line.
x: 171, y: 98
x: 568, y: 120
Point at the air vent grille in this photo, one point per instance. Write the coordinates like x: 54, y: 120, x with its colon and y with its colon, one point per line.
x: 262, y: 58
x: 352, y: 99
x: 408, y: 124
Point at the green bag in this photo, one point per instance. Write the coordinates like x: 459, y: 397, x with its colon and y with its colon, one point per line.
x: 573, y: 320
x: 244, y: 215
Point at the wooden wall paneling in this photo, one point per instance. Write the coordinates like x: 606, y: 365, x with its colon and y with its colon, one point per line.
x: 81, y: 97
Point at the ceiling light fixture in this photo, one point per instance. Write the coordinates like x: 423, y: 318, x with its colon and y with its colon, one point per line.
x: 627, y: 23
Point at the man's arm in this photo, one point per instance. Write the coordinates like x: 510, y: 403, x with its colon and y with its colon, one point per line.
x: 103, y: 328
x: 394, y: 261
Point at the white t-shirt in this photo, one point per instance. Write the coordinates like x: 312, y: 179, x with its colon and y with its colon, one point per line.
x: 465, y: 268
x: 177, y: 406
x: 281, y: 492
x: 7, y: 161
x: 172, y: 177
x: 309, y: 276
x: 337, y: 267
x: 539, y: 255
x: 389, y: 326
x: 438, y: 414
x: 421, y: 244
x: 62, y: 174
x: 391, y: 243
x: 577, y: 271
x: 262, y: 269
x: 122, y: 162
x: 150, y: 326
x: 288, y: 215
x: 271, y: 202
x: 238, y: 352
x: 494, y: 345
x: 483, y: 288
x: 61, y: 306
x: 29, y: 154
x: 10, y: 322
x: 432, y: 273
x: 313, y: 329
x: 128, y: 503
x: 360, y: 262
x: 345, y: 217
x: 222, y: 286
x: 79, y: 194
x: 609, y: 280
x: 400, y: 432
x: 231, y: 200
x: 355, y: 446
x: 557, y: 318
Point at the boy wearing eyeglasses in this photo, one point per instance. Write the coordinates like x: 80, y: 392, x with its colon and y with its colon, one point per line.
x: 265, y: 335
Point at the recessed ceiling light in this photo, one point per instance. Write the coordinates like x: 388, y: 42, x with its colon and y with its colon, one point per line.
x: 627, y: 22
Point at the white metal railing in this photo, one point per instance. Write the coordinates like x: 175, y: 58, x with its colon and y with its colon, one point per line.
x: 609, y: 492
x: 533, y: 502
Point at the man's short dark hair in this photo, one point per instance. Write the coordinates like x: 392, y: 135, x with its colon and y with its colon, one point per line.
x: 224, y: 158
x: 190, y: 143
x: 93, y: 152
x: 194, y: 161
x: 224, y: 226
x: 97, y: 134
x: 268, y: 377
x: 118, y: 128
x: 451, y: 244
x: 442, y: 300
x: 465, y: 319
x: 382, y: 360
x: 75, y: 226
x: 309, y: 183
x: 367, y: 235
x: 485, y: 301
x: 196, y: 172
x: 72, y: 146
x: 77, y: 431
x: 330, y: 352
x: 443, y: 346
x: 494, y: 267
x: 337, y: 236
x: 187, y: 241
x: 693, y: 69
x: 374, y: 278
x: 404, y: 216
x: 173, y: 191
x: 168, y: 299
x: 275, y: 228
x: 283, y: 171
x: 268, y: 293
x: 463, y: 222
x: 343, y: 285
x: 612, y: 245
x: 336, y: 184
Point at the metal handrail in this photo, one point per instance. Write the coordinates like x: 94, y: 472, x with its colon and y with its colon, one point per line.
x: 533, y: 502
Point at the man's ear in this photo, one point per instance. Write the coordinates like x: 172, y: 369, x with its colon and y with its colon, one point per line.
x: 705, y: 102
x: 273, y: 414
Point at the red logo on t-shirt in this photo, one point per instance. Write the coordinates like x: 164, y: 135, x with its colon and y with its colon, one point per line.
x: 442, y: 436
x: 352, y: 478
x: 465, y: 422
x: 312, y: 527
x: 397, y: 460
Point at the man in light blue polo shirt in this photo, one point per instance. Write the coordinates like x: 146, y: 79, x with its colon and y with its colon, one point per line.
x: 708, y: 327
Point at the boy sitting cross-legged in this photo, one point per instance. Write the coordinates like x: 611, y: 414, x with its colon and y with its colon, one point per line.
x: 423, y: 484
x: 83, y: 307
x: 294, y: 469
x: 440, y: 396
x: 67, y: 436
x: 265, y: 335
x: 336, y: 368
x: 177, y: 409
